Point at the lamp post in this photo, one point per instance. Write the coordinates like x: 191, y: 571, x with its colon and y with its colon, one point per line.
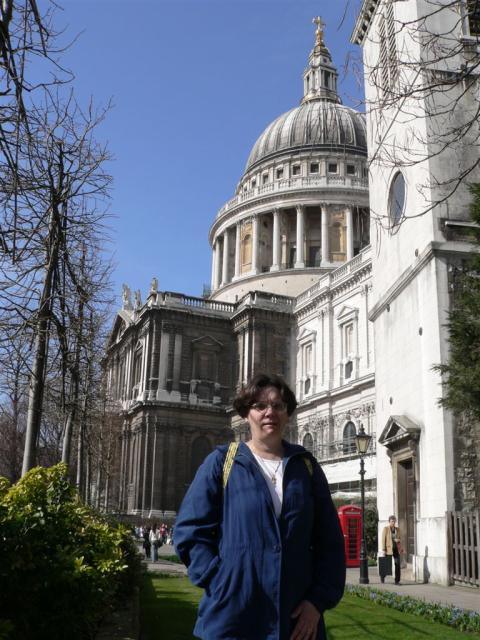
x: 362, y: 442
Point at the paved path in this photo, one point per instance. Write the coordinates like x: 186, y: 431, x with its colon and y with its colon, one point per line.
x: 464, y: 597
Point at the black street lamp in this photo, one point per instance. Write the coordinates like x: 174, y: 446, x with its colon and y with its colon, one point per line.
x: 362, y: 442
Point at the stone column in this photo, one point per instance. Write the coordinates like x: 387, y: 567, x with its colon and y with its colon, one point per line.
x: 218, y: 265
x: 247, y: 364
x: 300, y: 257
x: 225, y: 258
x: 240, y: 341
x: 325, y: 236
x: 177, y: 363
x: 122, y: 470
x: 144, y: 374
x: 146, y: 486
x: 157, y: 472
x: 163, y: 365
x: 238, y: 238
x: 255, y: 240
x: 214, y: 264
x: 137, y: 475
x: 349, y: 217
x: 171, y: 478
x: 128, y: 373
x: 276, y: 241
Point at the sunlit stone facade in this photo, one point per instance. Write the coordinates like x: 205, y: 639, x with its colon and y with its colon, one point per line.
x: 291, y: 280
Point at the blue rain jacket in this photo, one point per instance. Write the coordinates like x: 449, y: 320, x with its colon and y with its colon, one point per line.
x: 256, y: 569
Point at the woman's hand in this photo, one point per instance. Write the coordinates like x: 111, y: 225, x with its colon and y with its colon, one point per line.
x: 307, y: 623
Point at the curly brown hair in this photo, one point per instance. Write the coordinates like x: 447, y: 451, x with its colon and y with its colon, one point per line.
x: 249, y: 393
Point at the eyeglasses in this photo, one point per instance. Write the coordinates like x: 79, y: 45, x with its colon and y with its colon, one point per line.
x: 275, y: 406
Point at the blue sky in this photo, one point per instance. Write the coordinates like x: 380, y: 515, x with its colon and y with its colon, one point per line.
x: 193, y: 83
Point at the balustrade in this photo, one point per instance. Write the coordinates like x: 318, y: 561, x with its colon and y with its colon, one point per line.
x: 293, y: 184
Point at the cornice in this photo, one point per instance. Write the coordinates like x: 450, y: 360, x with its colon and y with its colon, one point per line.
x: 364, y: 21
x: 333, y: 287
x: 433, y: 249
x: 152, y: 405
x: 336, y: 393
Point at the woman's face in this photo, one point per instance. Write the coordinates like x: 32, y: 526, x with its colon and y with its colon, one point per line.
x: 268, y: 423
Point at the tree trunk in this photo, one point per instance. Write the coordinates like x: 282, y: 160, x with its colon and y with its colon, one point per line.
x: 75, y: 373
x: 37, y: 378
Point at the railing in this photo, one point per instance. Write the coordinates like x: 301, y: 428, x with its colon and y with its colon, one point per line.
x: 346, y: 449
x: 179, y: 299
x: 294, y: 184
x: 464, y: 547
x: 266, y: 300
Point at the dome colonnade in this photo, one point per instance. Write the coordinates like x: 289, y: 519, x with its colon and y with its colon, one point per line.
x: 301, y: 207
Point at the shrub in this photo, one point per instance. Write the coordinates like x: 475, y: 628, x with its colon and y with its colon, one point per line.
x: 461, y: 619
x: 61, y: 564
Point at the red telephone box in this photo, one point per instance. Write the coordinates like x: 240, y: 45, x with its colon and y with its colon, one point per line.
x: 350, y: 518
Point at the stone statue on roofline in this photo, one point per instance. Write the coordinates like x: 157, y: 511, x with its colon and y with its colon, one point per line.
x: 126, y: 298
x: 153, y: 287
x: 138, y: 299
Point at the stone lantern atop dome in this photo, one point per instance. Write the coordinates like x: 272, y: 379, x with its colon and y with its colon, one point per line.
x: 320, y: 77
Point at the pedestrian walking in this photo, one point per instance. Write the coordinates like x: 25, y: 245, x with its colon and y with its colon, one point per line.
x: 391, y: 548
x: 258, y: 530
x: 146, y: 542
x: 155, y: 542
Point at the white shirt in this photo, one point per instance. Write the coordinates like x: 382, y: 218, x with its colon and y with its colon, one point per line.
x: 270, y: 469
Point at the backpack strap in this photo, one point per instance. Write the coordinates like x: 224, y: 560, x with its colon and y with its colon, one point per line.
x: 309, y: 465
x: 227, y: 465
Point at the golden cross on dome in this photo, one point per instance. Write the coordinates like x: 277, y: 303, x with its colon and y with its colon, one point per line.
x: 319, y: 32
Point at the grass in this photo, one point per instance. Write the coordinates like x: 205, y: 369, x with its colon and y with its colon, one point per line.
x: 171, y: 558
x: 168, y: 608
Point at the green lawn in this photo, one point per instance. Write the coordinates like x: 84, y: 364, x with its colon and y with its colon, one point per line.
x: 168, y: 610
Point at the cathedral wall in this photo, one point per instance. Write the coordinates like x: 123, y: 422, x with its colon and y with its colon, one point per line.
x: 167, y: 444
x: 334, y: 376
x: 409, y: 340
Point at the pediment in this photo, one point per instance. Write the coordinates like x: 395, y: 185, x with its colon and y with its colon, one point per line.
x: 122, y: 321
x: 306, y: 334
x: 399, y: 431
x: 347, y: 313
x: 207, y: 342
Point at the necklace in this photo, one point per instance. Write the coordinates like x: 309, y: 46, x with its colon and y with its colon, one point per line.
x: 272, y: 475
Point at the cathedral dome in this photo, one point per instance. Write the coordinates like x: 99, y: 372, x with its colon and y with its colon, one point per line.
x: 314, y: 124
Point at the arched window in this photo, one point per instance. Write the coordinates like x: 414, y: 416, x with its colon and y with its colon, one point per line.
x: 396, y: 204
x: 308, y: 442
x: 201, y: 447
x: 349, y: 433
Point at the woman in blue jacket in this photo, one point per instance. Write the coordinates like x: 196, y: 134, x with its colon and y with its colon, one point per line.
x: 267, y: 547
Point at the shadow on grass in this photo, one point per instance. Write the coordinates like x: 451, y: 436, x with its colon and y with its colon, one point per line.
x: 168, y: 607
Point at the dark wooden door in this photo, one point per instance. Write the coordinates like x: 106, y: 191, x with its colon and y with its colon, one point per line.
x: 406, y: 506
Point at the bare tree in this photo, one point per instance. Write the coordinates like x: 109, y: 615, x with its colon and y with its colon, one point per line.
x: 60, y: 213
x: 422, y: 73
x: 13, y: 387
x: 26, y: 36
